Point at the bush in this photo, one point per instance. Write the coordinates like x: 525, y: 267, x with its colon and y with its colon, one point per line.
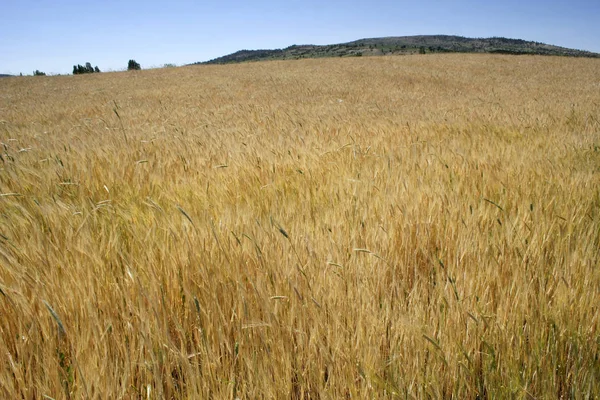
x: 133, y: 66
x: 38, y: 73
x: 87, y: 69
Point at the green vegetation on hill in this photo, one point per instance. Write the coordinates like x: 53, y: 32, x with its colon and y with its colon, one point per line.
x: 404, y: 45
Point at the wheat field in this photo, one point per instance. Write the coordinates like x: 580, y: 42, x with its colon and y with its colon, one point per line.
x: 389, y: 227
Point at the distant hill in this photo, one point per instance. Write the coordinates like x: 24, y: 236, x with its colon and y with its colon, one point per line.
x: 4, y: 75
x: 404, y: 45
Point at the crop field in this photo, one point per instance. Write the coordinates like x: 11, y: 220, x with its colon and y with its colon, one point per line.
x: 391, y: 227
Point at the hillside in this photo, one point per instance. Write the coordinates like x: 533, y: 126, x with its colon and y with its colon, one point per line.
x: 403, y: 45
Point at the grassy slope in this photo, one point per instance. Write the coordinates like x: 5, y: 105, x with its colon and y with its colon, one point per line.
x: 335, y: 228
x: 404, y: 45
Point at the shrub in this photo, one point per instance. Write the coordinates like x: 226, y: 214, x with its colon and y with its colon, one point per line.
x: 133, y: 66
x: 87, y: 69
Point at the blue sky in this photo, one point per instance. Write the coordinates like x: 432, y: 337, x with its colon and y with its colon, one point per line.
x: 54, y: 35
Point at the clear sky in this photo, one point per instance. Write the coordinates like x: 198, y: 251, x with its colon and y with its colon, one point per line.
x: 53, y: 35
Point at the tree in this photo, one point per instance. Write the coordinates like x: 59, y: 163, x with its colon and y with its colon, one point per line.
x: 87, y: 69
x: 133, y: 66
x: 38, y: 73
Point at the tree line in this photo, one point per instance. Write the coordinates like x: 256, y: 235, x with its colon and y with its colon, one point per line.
x: 79, y: 69
x: 87, y: 69
x: 132, y: 65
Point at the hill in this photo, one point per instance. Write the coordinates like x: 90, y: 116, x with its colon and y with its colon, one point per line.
x: 4, y: 75
x: 403, y: 45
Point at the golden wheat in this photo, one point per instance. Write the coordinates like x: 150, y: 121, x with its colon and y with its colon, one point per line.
x: 392, y: 227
